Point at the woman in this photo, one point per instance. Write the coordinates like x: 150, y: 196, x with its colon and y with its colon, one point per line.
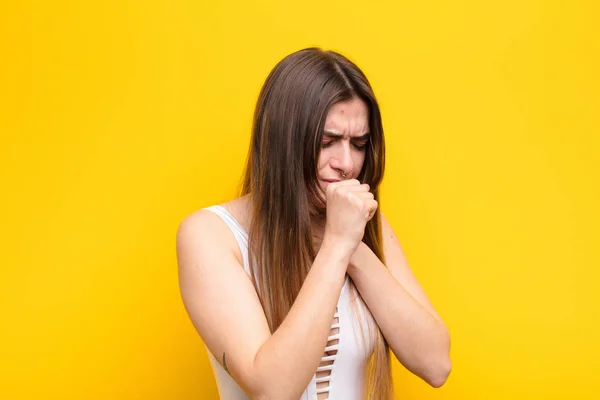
x: 287, y: 284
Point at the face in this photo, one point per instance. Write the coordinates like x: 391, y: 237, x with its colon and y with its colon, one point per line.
x: 344, y: 143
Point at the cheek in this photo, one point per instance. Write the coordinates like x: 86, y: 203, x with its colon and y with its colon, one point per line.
x: 359, y: 160
x: 322, y: 163
x: 323, y: 160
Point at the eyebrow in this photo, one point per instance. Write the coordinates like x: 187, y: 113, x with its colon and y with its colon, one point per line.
x: 336, y: 135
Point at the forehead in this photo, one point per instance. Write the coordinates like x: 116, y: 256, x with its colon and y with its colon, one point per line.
x: 348, y: 117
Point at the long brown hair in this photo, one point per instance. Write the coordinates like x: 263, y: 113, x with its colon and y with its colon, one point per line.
x: 281, y: 178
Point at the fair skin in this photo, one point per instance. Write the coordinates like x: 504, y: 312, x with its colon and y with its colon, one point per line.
x: 224, y: 307
x: 346, y: 133
x: 412, y: 327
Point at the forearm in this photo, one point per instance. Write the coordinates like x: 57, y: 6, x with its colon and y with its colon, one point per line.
x: 286, y: 362
x: 419, y: 340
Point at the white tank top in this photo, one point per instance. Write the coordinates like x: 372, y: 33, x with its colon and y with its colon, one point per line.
x: 346, y: 375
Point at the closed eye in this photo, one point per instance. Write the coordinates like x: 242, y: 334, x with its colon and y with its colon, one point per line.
x: 360, y: 145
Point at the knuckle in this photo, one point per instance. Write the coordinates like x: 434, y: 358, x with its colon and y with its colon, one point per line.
x: 363, y: 205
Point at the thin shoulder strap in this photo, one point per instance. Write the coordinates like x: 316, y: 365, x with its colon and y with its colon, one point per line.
x: 240, y: 234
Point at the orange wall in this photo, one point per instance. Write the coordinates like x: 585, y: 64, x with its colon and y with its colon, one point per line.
x: 118, y: 118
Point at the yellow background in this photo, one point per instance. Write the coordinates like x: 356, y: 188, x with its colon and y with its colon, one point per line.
x: 118, y: 118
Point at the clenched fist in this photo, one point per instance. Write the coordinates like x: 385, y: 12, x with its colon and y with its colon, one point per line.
x: 350, y: 205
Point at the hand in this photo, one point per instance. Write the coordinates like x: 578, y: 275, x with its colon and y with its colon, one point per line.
x: 350, y: 206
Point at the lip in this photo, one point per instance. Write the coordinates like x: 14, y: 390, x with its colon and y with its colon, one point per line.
x: 326, y: 182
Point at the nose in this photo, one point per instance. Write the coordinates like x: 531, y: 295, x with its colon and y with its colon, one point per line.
x: 342, y: 160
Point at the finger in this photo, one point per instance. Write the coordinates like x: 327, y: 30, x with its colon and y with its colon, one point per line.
x: 361, y: 187
x: 364, y: 187
x: 371, y: 207
x: 342, y: 184
x: 365, y: 195
x: 372, y: 204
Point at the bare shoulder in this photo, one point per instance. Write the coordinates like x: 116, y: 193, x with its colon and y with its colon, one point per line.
x: 206, y: 249
x: 203, y: 233
x: 201, y: 230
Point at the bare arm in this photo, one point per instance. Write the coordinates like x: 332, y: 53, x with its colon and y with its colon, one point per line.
x: 413, y: 329
x: 225, y: 309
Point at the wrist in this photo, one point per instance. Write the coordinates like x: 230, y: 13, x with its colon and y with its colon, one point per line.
x: 358, y: 257
x: 337, y: 249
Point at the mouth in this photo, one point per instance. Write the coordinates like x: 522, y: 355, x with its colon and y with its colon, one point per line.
x: 328, y: 181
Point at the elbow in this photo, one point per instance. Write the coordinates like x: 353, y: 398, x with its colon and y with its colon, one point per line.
x: 275, y: 394
x: 440, y: 366
x: 259, y: 396
x: 263, y: 387
x: 270, y: 390
x: 439, y: 375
